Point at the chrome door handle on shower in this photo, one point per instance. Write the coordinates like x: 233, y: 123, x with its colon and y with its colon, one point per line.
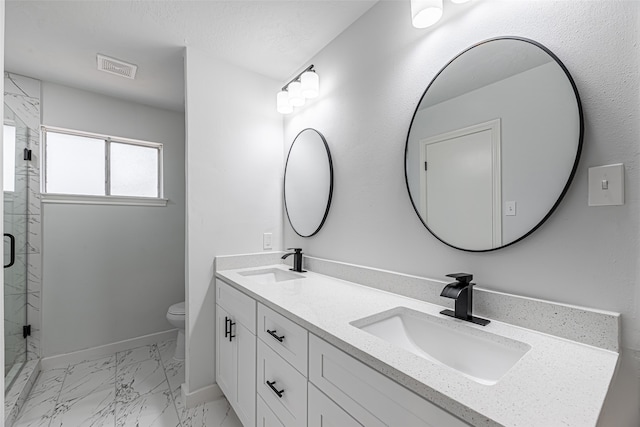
x: 12, y: 239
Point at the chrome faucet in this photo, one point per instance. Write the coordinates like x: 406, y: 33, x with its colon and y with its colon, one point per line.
x: 462, y: 292
x: 297, y: 259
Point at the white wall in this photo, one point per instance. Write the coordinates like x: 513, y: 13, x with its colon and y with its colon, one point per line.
x: 111, y: 272
x: 234, y: 186
x: 372, y: 77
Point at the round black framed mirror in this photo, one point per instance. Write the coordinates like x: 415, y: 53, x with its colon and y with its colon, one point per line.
x: 493, y: 144
x: 308, y: 182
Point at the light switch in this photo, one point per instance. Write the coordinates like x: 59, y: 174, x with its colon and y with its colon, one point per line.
x: 267, y: 241
x: 606, y: 185
x: 510, y: 208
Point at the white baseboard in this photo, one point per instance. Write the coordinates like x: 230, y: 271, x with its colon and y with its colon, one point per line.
x: 203, y: 395
x: 105, y: 350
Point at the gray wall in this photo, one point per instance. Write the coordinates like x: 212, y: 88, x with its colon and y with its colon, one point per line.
x: 111, y: 272
x: 373, y: 75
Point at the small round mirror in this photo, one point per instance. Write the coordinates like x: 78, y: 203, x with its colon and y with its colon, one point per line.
x: 493, y: 144
x: 308, y: 182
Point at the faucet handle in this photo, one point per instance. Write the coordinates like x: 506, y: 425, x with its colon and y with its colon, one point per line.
x: 295, y: 249
x: 463, y: 278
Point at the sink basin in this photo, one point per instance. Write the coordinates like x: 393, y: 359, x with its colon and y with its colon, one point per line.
x: 271, y: 275
x: 479, y: 355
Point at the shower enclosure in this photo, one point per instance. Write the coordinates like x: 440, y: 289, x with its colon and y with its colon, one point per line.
x: 22, y: 238
x: 16, y: 229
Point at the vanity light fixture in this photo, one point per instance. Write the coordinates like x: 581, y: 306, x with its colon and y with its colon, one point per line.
x: 310, y: 84
x: 305, y: 85
x: 425, y: 13
x: 295, y: 94
x: 283, y: 105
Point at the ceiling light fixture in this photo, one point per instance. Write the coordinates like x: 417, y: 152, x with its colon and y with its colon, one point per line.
x: 425, y: 13
x: 305, y: 85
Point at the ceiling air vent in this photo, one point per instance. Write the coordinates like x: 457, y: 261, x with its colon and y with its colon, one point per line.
x: 117, y: 67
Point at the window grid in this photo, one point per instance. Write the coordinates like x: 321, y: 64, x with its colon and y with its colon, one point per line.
x: 107, y: 144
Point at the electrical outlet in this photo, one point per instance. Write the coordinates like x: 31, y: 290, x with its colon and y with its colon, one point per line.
x: 511, y: 208
x: 267, y: 241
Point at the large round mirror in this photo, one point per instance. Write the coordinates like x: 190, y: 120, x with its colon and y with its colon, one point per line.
x: 493, y: 144
x: 308, y: 182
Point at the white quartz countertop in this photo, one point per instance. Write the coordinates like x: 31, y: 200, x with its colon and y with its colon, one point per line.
x: 556, y: 383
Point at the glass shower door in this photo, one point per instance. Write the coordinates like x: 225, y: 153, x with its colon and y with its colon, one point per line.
x: 16, y: 182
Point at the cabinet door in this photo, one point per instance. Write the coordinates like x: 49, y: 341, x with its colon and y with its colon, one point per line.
x: 323, y: 412
x: 242, y: 307
x: 225, y: 358
x: 245, y: 397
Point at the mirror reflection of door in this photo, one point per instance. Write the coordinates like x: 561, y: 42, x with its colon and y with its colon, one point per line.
x: 461, y: 185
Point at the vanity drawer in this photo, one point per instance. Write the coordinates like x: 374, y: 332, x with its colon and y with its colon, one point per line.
x: 323, y: 412
x: 368, y: 396
x: 240, y: 306
x: 284, y: 337
x: 266, y: 417
x: 291, y: 406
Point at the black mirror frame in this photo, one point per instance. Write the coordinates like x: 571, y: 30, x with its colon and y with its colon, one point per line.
x: 284, y: 192
x: 575, y: 164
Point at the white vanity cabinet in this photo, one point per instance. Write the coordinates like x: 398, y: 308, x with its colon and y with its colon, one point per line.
x: 288, y: 377
x: 236, y: 350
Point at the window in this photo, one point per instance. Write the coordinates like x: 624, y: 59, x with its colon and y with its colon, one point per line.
x: 83, y: 164
x: 9, y: 156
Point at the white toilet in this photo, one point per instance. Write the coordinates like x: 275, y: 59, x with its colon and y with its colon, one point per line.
x: 175, y: 316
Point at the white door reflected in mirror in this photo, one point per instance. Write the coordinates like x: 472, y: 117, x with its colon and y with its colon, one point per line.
x: 308, y: 182
x: 468, y: 161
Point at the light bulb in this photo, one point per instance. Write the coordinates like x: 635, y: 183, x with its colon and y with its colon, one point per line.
x: 310, y: 84
x: 459, y: 1
x: 425, y: 13
x: 282, y: 102
x: 295, y: 94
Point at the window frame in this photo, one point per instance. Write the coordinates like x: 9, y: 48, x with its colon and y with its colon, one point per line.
x: 107, y: 198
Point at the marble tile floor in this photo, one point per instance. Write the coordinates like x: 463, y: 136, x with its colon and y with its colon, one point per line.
x: 137, y: 388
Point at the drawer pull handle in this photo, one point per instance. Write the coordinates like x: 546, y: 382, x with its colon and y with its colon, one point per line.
x: 231, y: 336
x: 274, y: 335
x: 275, y: 390
x: 228, y: 331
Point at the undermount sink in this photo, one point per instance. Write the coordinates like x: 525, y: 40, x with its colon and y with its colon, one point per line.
x: 271, y: 275
x: 479, y: 355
